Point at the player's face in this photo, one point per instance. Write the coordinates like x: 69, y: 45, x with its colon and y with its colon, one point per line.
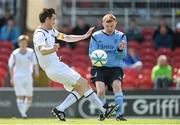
x: 23, y: 44
x: 109, y: 27
x: 50, y: 21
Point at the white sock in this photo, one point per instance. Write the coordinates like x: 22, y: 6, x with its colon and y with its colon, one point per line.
x: 103, y: 99
x: 21, y: 107
x: 91, y: 96
x: 27, y: 104
x: 70, y: 99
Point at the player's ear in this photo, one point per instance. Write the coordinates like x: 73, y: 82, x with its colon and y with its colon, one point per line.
x: 115, y: 23
x: 103, y: 23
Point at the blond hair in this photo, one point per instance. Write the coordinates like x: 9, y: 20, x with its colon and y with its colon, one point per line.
x: 23, y: 37
x: 109, y: 18
x: 162, y: 57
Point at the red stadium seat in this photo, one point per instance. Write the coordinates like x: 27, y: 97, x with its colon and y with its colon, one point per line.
x: 147, y: 44
x: 147, y: 31
x: 80, y: 51
x: 146, y: 71
x: 3, y: 73
x: 164, y: 51
x: 148, y: 65
x: 176, y: 65
x: 81, y: 58
x: 3, y: 65
x: 176, y: 52
x: 129, y: 82
x: 1, y: 81
x: 129, y: 79
x: 147, y: 52
x: 54, y: 84
x: 133, y: 44
x: 4, y: 58
x: 6, y: 44
x: 82, y: 44
x: 144, y: 82
x: 148, y: 58
x: 64, y: 51
x: 176, y: 59
x: 5, y: 51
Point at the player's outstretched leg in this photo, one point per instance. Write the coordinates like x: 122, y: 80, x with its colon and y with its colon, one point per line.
x: 92, y: 96
x: 82, y: 88
x: 70, y: 99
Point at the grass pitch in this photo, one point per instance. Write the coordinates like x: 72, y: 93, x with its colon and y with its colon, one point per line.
x: 51, y: 121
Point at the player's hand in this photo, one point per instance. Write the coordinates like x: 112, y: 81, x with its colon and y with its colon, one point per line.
x: 122, y: 45
x: 89, y: 32
x: 11, y: 82
x: 56, y: 46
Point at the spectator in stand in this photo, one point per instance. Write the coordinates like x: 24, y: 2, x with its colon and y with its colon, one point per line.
x: 176, y: 37
x: 161, y: 74
x: 81, y: 27
x: 133, y: 60
x: 133, y: 32
x: 163, y: 39
x: 10, y: 32
x: 162, y: 23
x: 3, y: 20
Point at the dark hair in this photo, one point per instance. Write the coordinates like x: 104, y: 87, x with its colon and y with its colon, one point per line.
x: 46, y: 13
x: 10, y: 17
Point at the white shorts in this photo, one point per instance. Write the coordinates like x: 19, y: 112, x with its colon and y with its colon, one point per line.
x: 62, y: 73
x: 23, y: 86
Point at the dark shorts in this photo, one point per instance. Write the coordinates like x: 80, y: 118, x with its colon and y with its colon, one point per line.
x: 106, y: 75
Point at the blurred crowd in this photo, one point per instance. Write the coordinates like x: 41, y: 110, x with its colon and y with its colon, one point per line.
x: 153, y: 59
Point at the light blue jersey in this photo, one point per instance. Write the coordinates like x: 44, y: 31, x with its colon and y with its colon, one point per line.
x: 109, y: 43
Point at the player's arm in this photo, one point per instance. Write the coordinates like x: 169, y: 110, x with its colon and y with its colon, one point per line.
x: 35, y: 65
x: 36, y: 70
x: 40, y: 44
x: 11, y: 63
x: 122, y: 47
x: 48, y: 50
x: 74, y: 38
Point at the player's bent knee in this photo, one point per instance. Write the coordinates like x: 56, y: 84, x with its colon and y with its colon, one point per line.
x: 19, y: 97
x: 116, y: 85
x: 83, y: 84
x: 29, y: 98
x: 78, y: 89
x: 101, y: 92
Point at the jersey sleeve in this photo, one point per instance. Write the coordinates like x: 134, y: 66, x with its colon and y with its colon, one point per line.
x: 122, y: 54
x: 59, y: 35
x: 11, y: 61
x: 93, y: 45
x: 39, y: 39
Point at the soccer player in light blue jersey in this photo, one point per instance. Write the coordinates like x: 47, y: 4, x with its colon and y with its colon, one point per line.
x: 113, y: 42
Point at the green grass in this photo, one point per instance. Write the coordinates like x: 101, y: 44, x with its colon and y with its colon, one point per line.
x: 45, y: 121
